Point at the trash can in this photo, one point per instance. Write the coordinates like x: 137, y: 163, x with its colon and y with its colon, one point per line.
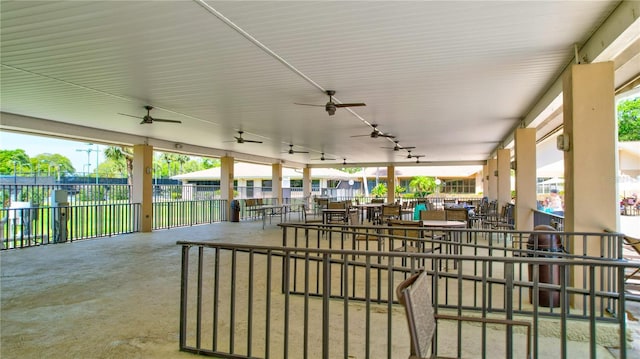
x: 235, y: 211
x: 547, y: 273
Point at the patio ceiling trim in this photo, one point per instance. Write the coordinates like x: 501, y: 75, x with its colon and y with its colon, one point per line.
x: 31, y: 125
x: 399, y: 164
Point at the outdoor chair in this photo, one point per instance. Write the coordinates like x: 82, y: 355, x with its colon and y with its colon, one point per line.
x: 433, y: 215
x: 321, y: 203
x: 634, y: 244
x: 459, y: 214
x: 412, y: 238
x: 505, y: 220
x: 389, y: 212
x: 366, y: 236
x: 338, y: 218
x: 490, y: 215
x: 309, y: 216
x: 414, y: 294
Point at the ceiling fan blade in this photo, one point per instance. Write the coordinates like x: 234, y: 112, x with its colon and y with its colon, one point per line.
x: 387, y: 135
x: 300, y: 151
x: 124, y: 114
x: 367, y: 135
x: 407, y: 147
x: 307, y: 104
x: 252, y: 141
x: 164, y: 120
x: 350, y: 104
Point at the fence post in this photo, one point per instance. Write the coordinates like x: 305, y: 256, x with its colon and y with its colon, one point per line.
x: 326, y: 294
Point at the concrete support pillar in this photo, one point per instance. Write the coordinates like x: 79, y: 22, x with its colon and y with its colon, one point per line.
x: 590, y: 164
x: 226, y: 182
x: 504, y: 177
x: 525, y: 148
x: 276, y: 181
x: 142, y: 184
x: 485, y: 180
x: 590, y: 160
x: 492, y: 192
x: 391, y: 184
x: 306, y: 184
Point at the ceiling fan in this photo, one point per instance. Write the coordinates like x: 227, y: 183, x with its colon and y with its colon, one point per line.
x: 417, y: 157
x: 376, y: 133
x: 148, y: 119
x: 239, y: 138
x: 322, y: 158
x: 397, y: 147
x: 410, y: 155
x: 331, y: 106
x: 292, y: 151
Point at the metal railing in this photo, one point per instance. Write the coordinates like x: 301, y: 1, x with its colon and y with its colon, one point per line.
x: 168, y: 214
x: 550, y: 219
x: 28, y: 227
x: 315, y: 296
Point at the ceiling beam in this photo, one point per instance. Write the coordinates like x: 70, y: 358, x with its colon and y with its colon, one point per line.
x: 41, y: 127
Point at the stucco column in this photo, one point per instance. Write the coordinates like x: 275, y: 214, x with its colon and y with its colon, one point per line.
x: 525, y: 148
x: 590, y: 161
x: 306, y: 184
x: 492, y: 192
x: 504, y: 177
x: 226, y: 182
x: 142, y: 184
x: 391, y: 184
x: 485, y: 180
x: 590, y: 164
x: 276, y: 181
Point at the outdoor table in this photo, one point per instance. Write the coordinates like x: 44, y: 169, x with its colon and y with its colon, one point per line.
x: 369, y: 209
x: 280, y: 208
x: 447, y: 224
x: 328, y: 212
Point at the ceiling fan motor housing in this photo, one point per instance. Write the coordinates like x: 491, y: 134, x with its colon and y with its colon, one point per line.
x: 330, y: 108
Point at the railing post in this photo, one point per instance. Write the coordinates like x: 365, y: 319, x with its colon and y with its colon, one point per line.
x: 326, y: 294
x: 622, y: 314
x: 508, y: 289
x: 183, y: 296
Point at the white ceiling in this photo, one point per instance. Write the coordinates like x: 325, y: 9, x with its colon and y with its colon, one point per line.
x: 451, y: 78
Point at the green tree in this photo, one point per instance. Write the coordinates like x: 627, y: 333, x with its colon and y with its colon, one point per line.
x: 112, y: 169
x: 399, y: 190
x: 210, y: 163
x: 422, y: 185
x: 11, y: 160
x: 52, y: 164
x: 629, y: 120
x: 122, y: 158
x: 351, y: 170
x: 380, y: 190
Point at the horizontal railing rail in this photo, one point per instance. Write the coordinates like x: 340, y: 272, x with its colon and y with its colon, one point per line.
x: 244, y: 301
x: 34, y: 226
x: 549, y: 219
x: 477, y: 242
x: 169, y: 214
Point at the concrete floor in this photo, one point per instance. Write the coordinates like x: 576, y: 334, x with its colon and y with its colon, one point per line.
x: 112, y: 297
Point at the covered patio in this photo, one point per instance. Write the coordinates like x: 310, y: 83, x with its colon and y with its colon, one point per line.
x: 120, y: 297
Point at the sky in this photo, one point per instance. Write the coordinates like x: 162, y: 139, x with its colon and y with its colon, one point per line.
x: 35, y: 145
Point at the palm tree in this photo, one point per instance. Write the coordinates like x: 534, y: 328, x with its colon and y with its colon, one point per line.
x: 122, y: 156
x: 422, y: 185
